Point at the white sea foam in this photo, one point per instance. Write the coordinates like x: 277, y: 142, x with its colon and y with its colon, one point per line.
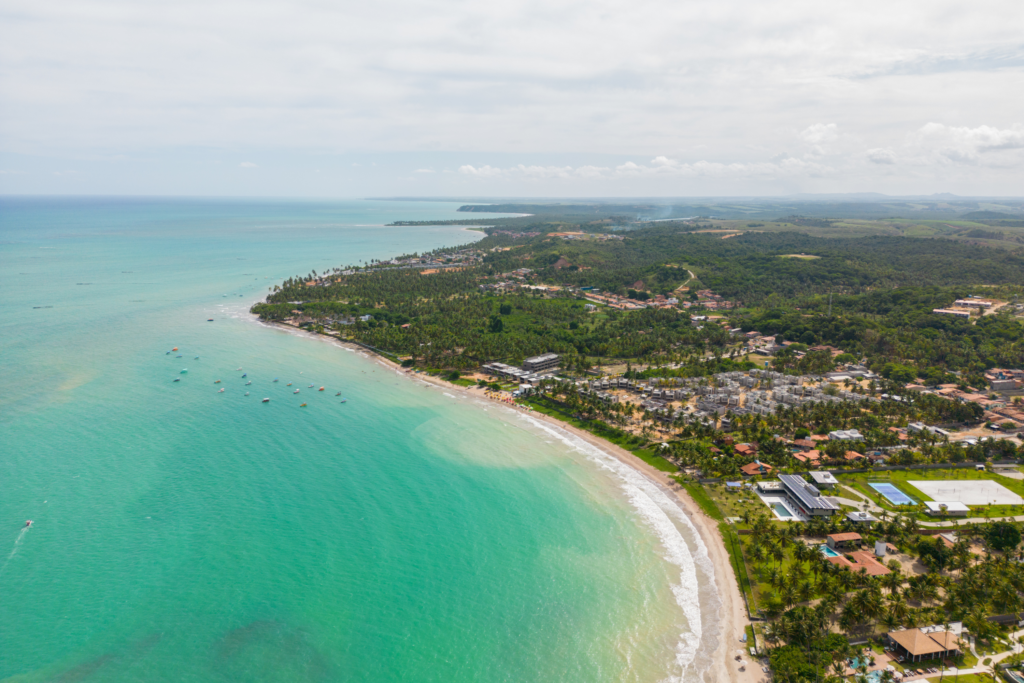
x: 664, y: 516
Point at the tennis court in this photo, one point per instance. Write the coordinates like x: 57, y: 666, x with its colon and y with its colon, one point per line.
x: 893, y: 494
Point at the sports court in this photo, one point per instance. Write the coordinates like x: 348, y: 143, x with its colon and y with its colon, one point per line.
x: 968, y: 491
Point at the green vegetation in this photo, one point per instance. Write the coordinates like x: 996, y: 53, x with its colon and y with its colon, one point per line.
x: 842, y: 284
x: 701, y: 497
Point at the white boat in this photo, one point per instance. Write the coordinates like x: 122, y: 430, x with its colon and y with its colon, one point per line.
x: 296, y: 391
x: 221, y: 391
x: 266, y: 400
x: 247, y: 393
x: 248, y: 383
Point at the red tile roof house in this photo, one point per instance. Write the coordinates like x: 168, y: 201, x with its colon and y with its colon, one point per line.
x: 853, y: 455
x: 843, y: 541
x: 745, y: 449
x: 755, y: 468
x: 804, y: 444
x: 863, y: 560
x: 810, y: 458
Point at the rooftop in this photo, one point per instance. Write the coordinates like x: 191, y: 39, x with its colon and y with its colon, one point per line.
x: 917, y: 642
x: 805, y: 493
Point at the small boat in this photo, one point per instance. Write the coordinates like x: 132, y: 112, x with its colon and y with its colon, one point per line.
x: 178, y: 356
x: 209, y: 320
x: 320, y: 389
x: 184, y: 371
x: 177, y: 379
x: 247, y: 393
x: 266, y: 400
x: 245, y: 374
x: 216, y: 381
x: 338, y: 394
x: 343, y: 400
x: 296, y: 391
x: 310, y: 386
x: 28, y: 523
x: 248, y: 383
x: 175, y: 348
x: 221, y: 391
x: 275, y: 379
x: 239, y: 370
x: 288, y: 385
x: 197, y: 358
x: 303, y: 405
x: 168, y: 353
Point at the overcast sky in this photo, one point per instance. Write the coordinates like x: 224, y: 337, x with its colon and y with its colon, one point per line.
x: 518, y: 97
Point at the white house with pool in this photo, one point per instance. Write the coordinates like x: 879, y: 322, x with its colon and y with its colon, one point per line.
x: 807, y: 498
x: 794, y: 499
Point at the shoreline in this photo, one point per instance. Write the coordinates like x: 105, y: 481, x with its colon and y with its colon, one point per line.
x: 733, y: 616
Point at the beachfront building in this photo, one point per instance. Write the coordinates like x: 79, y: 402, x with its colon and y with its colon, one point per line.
x: 845, y: 435
x: 930, y: 642
x: 807, y: 499
x: 549, y: 361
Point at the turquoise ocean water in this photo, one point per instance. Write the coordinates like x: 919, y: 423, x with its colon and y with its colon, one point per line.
x: 183, y: 534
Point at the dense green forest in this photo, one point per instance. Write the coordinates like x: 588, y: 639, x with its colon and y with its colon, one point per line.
x: 869, y: 296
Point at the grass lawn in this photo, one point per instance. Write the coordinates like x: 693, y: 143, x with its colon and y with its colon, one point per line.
x: 729, y: 500
x: 967, y: 678
x: 700, y: 494
x: 734, y: 545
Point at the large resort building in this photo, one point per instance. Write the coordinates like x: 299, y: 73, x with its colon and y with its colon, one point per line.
x: 807, y: 499
x: 549, y: 361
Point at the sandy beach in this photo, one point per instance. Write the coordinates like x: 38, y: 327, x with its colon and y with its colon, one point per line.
x: 734, y: 614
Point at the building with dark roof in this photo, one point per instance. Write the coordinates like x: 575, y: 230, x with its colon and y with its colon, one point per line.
x: 807, y: 499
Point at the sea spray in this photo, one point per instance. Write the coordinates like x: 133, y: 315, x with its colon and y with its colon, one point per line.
x: 14, y: 550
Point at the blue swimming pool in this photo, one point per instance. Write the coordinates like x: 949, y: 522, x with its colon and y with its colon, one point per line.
x: 828, y: 552
x: 893, y: 494
x: 781, y: 510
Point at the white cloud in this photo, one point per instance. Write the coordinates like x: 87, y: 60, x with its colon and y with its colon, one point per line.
x: 247, y: 164
x: 969, y: 145
x: 807, y: 86
x: 881, y: 155
x: 819, y: 133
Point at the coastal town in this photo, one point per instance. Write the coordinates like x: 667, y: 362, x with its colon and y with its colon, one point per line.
x: 866, y: 502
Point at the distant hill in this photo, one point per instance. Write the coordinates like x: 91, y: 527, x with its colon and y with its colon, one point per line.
x: 987, y: 214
